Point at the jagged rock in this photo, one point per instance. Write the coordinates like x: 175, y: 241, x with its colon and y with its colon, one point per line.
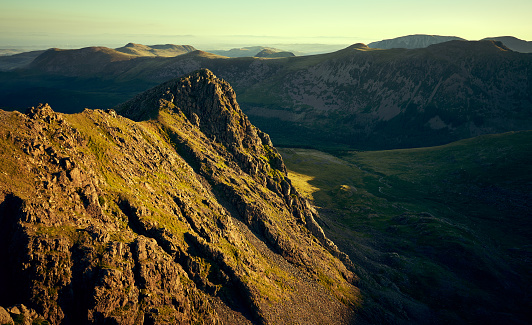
x: 5, y: 318
x: 42, y: 111
x: 186, y: 216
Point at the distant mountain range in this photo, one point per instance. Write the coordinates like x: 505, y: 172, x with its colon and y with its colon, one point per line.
x: 422, y: 40
x: 249, y: 51
x: 126, y: 52
x: 357, y: 97
x: 12, y: 59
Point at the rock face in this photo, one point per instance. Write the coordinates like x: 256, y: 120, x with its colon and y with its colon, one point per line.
x: 184, y: 215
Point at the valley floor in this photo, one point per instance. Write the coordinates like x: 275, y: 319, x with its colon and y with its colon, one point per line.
x: 438, y: 235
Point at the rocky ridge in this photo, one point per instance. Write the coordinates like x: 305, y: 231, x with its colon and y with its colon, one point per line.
x: 184, y: 216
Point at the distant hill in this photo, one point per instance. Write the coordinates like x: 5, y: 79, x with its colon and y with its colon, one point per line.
x: 8, y: 52
x: 513, y: 43
x: 249, y: 51
x: 270, y: 53
x: 18, y: 60
x: 78, y: 61
x: 167, y: 50
x: 412, y: 41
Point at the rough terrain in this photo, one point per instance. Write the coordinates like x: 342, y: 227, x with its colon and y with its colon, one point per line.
x: 175, y: 210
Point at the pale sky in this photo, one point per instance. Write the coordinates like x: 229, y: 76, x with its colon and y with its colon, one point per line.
x: 208, y: 23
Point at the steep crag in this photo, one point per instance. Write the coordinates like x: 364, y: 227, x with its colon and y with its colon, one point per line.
x: 176, y: 211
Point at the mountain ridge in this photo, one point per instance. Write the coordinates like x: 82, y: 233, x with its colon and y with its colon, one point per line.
x: 166, y: 50
x: 180, y: 217
x: 355, y: 97
x: 513, y: 43
x: 269, y: 53
x: 412, y: 41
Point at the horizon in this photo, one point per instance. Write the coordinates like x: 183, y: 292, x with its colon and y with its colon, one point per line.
x: 217, y: 45
x: 212, y: 25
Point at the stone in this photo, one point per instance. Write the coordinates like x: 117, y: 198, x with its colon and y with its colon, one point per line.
x: 5, y: 318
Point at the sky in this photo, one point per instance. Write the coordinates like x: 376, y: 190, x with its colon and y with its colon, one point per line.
x: 209, y: 24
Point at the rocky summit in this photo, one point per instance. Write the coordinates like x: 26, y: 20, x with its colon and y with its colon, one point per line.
x: 171, y: 209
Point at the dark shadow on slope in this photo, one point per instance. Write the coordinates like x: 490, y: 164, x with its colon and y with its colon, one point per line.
x: 233, y: 293
x: 10, y: 277
x: 450, y: 263
x: 75, y: 299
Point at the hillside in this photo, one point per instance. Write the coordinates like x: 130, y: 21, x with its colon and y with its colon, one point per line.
x: 18, y: 60
x: 167, y: 50
x: 269, y: 53
x: 513, y: 43
x: 85, y: 61
x: 357, y: 97
x: 249, y: 51
x: 177, y: 211
x: 412, y: 41
x: 439, y: 235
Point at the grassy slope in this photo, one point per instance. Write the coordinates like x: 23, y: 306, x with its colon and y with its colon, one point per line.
x: 439, y: 233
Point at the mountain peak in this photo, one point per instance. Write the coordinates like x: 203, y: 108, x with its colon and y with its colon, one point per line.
x: 130, y: 218
x: 209, y: 104
x: 205, y: 100
x: 358, y: 46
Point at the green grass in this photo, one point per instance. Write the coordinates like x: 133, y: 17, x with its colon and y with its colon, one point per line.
x: 444, y: 224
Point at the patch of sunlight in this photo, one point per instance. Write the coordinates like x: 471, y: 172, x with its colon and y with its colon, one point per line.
x: 302, y: 183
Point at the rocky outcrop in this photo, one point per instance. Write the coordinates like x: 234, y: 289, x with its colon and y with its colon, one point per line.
x: 210, y: 104
x: 184, y: 216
